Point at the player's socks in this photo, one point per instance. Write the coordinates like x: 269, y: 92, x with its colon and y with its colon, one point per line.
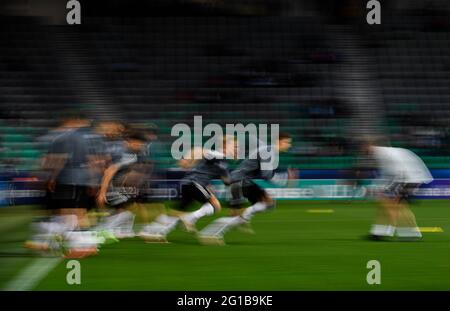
x: 124, y: 225
x: 121, y: 224
x: 165, y: 219
x: 206, y: 210
x: 65, y: 223
x: 220, y: 226
x: 154, y: 231
x: 382, y: 230
x: 160, y: 227
x: 224, y: 224
x: 252, y: 210
x: 168, y: 221
x: 48, y: 234
x: 116, y: 219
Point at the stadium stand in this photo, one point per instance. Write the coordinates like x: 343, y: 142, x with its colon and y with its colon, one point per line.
x: 166, y: 70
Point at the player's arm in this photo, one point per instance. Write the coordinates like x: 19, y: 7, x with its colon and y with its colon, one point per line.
x: 106, y: 180
x: 53, y: 163
x: 109, y: 174
x: 98, y: 163
x: 98, y: 158
x: 224, y: 174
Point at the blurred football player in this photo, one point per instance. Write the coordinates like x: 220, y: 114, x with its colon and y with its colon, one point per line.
x: 401, y: 173
x: 74, y: 165
x: 195, y: 187
x: 113, y: 132
x: 121, y: 185
x: 243, y: 187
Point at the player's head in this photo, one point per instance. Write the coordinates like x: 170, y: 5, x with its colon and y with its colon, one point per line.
x: 284, y: 142
x: 367, y: 142
x: 74, y: 118
x: 111, y: 129
x: 135, y: 140
x: 150, y: 130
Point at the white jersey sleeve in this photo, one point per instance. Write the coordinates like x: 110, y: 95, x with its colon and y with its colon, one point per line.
x: 401, y: 165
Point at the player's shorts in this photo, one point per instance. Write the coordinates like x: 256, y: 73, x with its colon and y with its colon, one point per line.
x: 119, y: 197
x: 127, y: 186
x: 403, y: 192
x: 193, y: 191
x: 70, y: 196
x: 237, y: 199
x: 253, y: 192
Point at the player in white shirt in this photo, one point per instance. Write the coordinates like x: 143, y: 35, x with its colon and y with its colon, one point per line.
x: 401, y: 172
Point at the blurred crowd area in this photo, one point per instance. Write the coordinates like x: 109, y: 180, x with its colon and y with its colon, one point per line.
x: 319, y: 71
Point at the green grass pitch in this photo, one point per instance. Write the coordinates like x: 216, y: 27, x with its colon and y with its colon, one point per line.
x: 291, y: 250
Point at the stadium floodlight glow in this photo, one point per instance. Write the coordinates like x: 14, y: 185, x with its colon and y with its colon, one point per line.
x: 257, y: 141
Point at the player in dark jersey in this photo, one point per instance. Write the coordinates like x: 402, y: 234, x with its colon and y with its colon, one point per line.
x: 121, y: 186
x: 243, y: 187
x: 195, y: 187
x: 74, y: 159
x: 73, y: 167
x: 113, y: 132
x: 153, y: 155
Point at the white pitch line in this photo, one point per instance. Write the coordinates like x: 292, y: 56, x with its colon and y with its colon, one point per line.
x: 32, y: 274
